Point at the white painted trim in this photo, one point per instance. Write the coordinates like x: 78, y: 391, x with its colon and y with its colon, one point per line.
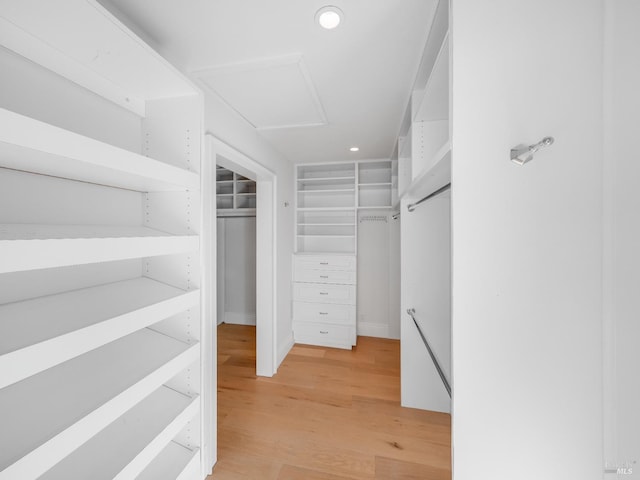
x: 368, y: 329
x: 239, y: 318
x: 266, y: 252
x: 284, y: 350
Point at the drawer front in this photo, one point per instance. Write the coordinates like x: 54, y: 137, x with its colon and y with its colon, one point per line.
x: 343, y: 277
x: 325, y: 262
x: 311, y: 292
x: 324, y: 313
x: 325, y: 335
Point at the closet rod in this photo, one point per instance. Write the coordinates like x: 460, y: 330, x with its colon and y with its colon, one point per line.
x: 413, y: 206
x: 412, y: 314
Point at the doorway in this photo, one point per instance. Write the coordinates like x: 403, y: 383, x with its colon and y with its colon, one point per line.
x: 224, y: 155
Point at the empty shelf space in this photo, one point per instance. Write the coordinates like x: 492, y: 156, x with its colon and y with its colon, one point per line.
x: 83, y: 396
x: 127, y: 446
x: 31, y: 247
x: 435, y: 176
x: 39, y: 333
x: 374, y: 172
x: 304, y: 183
x: 326, y: 209
x: 175, y: 462
x: 33, y: 146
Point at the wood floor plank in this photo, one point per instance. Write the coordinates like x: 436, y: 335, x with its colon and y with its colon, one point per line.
x: 328, y: 414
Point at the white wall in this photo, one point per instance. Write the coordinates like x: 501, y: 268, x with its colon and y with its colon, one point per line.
x: 378, y: 283
x: 237, y: 272
x: 622, y: 235
x: 229, y: 127
x: 527, y: 241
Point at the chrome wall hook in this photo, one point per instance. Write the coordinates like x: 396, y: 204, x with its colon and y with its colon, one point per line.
x: 522, y: 154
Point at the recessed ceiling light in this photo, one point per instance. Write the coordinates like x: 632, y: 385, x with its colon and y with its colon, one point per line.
x: 354, y: 149
x: 329, y: 17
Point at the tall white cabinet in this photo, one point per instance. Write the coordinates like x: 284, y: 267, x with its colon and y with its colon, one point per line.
x: 329, y: 199
x: 100, y: 324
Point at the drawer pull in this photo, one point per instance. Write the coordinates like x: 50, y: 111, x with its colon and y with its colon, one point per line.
x: 324, y: 293
x: 324, y: 276
x: 323, y: 313
x: 324, y: 263
x: 324, y: 332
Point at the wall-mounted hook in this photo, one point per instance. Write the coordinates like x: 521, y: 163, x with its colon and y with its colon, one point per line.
x: 522, y: 154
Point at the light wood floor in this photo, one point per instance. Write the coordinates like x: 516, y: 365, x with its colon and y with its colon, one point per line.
x: 327, y: 414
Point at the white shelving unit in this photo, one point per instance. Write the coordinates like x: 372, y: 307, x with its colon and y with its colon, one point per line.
x: 100, y: 298
x: 424, y: 166
x: 235, y: 194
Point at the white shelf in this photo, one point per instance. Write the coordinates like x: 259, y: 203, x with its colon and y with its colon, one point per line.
x: 373, y: 207
x: 375, y: 185
x: 252, y: 194
x: 432, y: 103
x: 326, y: 224
x: 431, y: 179
x: 335, y: 190
x: 327, y: 209
x: 175, y: 462
x: 127, y: 446
x: 43, y: 332
x: 33, y: 146
x: 327, y: 180
x: 31, y: 247
x: 328, y: 236
x: 123, y: 69
x: 47, y: 416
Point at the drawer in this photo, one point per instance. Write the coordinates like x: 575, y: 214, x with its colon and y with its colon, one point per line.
x: 311, y: 292
x: 324, y: 276
x: 325, y: 262
x: 324, y: 313
x: 325, y: 335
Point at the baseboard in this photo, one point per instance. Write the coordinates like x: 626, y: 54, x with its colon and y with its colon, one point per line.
x: 236, y: 318
x: 283, y: 351
x: 367, y: 329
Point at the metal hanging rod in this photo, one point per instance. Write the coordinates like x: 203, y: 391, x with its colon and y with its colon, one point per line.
x: 413, y: 206
x: 412, y: 314
x: 396, y: 215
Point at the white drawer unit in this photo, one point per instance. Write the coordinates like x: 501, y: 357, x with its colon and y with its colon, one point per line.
x: 324, y: 300
x: 324, y: 313
x: 342, y: 277
x: 324, y: 293
x: 325, y: 262
x: 326, y: 335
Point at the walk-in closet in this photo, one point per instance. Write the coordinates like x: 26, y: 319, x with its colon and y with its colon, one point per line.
x: 236, y: 248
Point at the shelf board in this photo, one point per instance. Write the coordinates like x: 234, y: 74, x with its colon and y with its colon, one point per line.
x: 46, y: 331
x: 175, y: 462
x: 83, y: 396
x: 433, y: 102
x: 224, y: 194
x: 374, y: 207
x: 224, y: 181
x: 326, y: 209
x: 430, y: 179
x: 335, y: 190
x: 127, y: 446
x: 327, y: 236
x: 251, y: 194
x: 31, y: 246
x: 128, y: 74
x: 29, y: 145
x: 326, y: 224
x: 328, y: 180
x: 375, y: 185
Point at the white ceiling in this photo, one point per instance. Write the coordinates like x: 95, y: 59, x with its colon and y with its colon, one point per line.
x: 312, y: 93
